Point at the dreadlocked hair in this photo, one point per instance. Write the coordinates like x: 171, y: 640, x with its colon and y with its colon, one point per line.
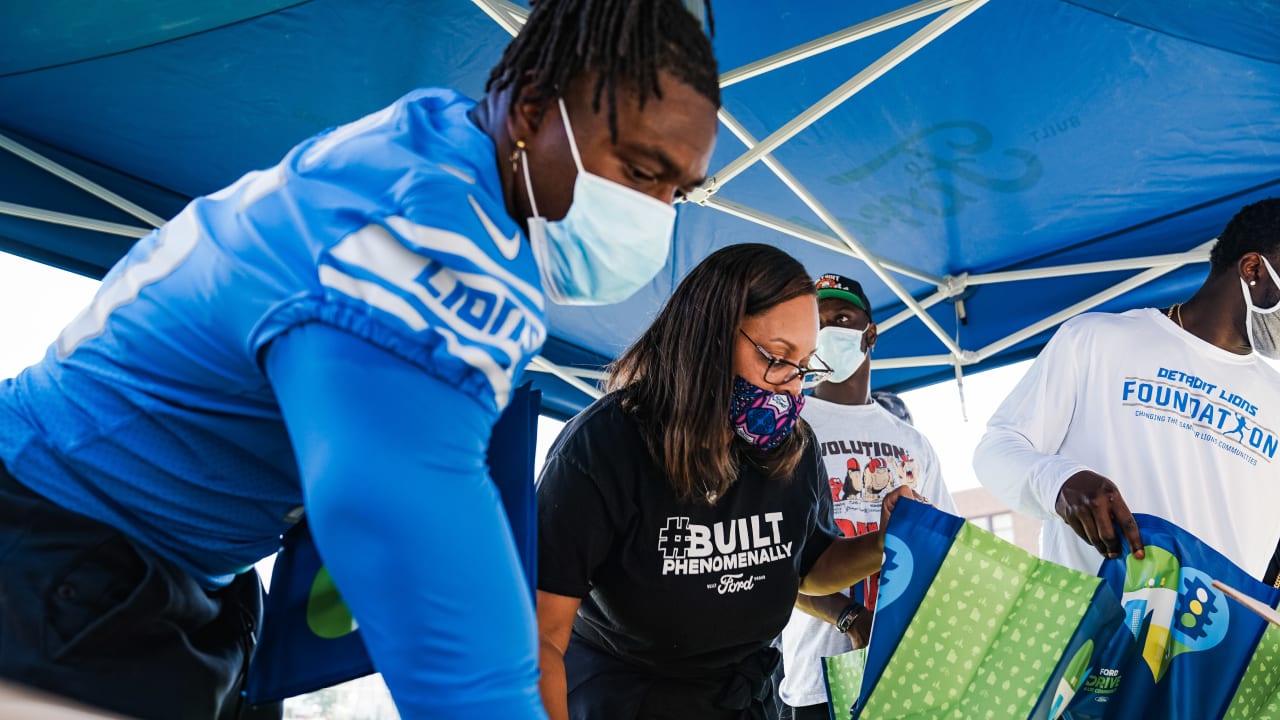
x: 625, y: 42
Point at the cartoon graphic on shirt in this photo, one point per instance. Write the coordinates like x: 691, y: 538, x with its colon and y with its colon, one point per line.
x: 872, y: 469
x: 852, y: 479
x: 877, y: 479
x: 837, y: 489
x: 907, y: 470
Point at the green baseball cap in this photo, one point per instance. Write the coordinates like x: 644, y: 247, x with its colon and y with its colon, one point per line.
x: 839, y: 286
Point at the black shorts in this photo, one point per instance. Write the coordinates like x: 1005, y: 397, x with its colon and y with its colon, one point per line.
x: 87, y: 614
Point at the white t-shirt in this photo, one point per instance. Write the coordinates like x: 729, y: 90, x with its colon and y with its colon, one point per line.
x: 867, y: 452
x: 1185, y: 429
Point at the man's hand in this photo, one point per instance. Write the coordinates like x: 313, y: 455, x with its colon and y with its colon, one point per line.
x: 1091, y: 505
x: 860, y: 632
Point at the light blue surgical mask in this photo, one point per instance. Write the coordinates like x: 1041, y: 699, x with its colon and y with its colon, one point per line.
x: 841, y: 349
x: 611, y: 243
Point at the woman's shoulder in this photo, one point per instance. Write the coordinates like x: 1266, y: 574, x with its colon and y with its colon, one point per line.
x: 605, y: 423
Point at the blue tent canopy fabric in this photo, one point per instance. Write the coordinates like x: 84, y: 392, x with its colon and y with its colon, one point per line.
x: 1031, y: 134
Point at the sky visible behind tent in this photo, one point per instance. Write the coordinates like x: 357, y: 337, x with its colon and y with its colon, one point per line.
x: 37, y: 300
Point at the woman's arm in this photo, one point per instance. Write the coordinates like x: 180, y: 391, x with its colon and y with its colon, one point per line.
x: 828, y: 608
x: 846, y: 561
x: 555, y: 625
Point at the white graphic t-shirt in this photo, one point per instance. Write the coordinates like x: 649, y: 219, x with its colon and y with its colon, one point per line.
x: 867, y: 453
x: 1185, y: 429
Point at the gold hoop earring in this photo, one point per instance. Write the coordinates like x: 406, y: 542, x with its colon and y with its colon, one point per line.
x: 515, y: 155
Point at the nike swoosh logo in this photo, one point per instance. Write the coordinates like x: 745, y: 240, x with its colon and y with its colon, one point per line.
x: 508, y: 246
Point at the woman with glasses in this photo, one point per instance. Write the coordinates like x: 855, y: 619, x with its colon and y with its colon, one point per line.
x: 680, y: 514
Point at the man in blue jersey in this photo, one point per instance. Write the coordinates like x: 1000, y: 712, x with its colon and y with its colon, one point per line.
x: 335, y: 336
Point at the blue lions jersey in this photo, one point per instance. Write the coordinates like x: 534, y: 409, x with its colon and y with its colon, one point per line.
x: 152, y: 411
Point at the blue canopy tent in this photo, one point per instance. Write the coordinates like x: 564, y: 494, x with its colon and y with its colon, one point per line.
x: 988, y: 167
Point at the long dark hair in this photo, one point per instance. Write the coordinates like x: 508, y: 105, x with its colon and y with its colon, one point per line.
x: 678, y: 376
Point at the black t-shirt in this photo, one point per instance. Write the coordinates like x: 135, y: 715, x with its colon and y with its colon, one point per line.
x: 679, y: 586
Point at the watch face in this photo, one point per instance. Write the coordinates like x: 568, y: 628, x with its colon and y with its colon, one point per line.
x: 848, y: 616
x: 845, y: 621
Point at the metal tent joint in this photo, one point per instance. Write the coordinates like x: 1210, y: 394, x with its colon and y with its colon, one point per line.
x: 953, y: 285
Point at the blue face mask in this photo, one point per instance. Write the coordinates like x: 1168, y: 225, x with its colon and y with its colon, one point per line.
x: 611, y: 243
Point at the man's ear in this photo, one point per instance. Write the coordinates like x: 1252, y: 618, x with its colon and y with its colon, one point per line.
x: 869, y: 336
x: 527, y: 112
x: 1251, y: 268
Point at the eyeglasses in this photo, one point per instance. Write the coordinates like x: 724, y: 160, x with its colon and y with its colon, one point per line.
x: 781, y: 372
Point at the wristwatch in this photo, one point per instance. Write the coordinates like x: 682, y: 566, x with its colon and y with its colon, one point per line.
x: 848, y: 616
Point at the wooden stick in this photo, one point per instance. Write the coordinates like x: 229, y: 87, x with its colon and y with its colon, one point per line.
x: 1257, y: 606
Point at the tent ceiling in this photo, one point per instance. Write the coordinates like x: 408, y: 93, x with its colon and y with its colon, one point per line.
x: 986, y: 167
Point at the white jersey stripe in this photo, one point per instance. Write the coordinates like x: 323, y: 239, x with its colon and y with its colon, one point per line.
x: 443, y: 241
x: 374, y: 294
x: 387, y: 301
x: 373, y: 249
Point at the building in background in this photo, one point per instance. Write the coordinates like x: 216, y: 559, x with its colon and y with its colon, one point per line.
x: 987, y: 512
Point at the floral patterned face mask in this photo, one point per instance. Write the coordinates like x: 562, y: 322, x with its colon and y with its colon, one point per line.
x: 761, y: 417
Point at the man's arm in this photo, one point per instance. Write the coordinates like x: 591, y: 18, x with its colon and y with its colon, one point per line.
x: 399, y: 501
x: 1018, y: 461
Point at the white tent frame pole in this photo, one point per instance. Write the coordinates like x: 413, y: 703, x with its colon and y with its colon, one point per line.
x: 837, y: 39
x: 541, y: 364
x: 913, y: 361
x: 75, y: 221
x: 80, y: 181
x: 502, y: 10
x: 906, y: 314
x: 830, y: 242
x: 848, y: 89
x: 961, y: 282
x: 495, y: 8
x: 843, y: 233
x: 697, y: 9
x: 585, y: 374
x: 1167, y: 264
x: 509, y: 16
x: 879, y: 270
x: 1086, y: 304
x: 1137, y: 263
